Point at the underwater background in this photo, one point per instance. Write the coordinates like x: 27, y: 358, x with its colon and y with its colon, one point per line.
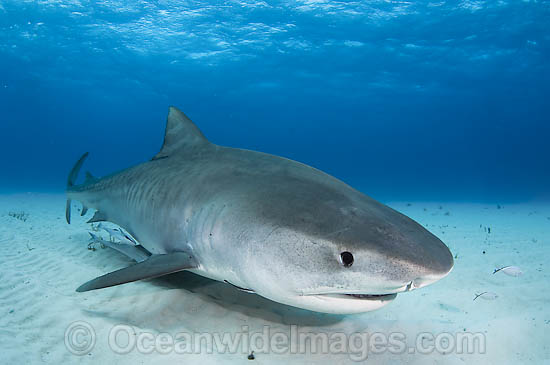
x: 442, y: 100
x: 439, y: 109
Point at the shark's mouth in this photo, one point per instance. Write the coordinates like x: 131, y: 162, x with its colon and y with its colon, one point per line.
x: 373, y: 296
x: 377, y: 297
x: 342, y: 303
x: 345, y: 303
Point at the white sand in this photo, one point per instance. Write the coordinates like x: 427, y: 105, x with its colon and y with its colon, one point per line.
x: 43, y: 260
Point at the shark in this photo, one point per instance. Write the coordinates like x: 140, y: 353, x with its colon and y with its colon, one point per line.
x: 262, y: 223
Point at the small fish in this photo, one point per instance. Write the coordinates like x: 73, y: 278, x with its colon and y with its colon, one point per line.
x: 487, y: 295
x: 509, y: 270
x: 94, y: 237
x: 120, y: 235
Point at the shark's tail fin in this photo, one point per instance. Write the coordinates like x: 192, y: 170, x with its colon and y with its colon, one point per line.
x: 71, y: 181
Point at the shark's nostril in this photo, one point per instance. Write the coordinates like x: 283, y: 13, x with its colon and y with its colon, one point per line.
x: 424, y: 280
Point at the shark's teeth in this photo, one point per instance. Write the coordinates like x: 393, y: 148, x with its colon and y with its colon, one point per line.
x: 379, y: 297
x: 367, y: 296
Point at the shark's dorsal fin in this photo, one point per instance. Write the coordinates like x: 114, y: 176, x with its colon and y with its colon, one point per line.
x: 181, y: 134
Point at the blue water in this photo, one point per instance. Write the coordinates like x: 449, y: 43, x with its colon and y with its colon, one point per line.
x: 403, y: 100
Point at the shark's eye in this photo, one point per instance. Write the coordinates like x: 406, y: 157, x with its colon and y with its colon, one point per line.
x: 346, y: 258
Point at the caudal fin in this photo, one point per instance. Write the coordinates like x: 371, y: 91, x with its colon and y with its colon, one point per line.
x: 71, y: 181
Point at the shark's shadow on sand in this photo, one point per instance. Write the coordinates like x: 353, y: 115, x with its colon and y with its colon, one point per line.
x: 250, y: 304
x: 229, y: 299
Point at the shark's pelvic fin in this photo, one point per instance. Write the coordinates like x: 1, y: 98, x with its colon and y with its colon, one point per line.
x: 181, y: 134
x: 154, y: 266
x: 98, y: 217
x: 71, y: 181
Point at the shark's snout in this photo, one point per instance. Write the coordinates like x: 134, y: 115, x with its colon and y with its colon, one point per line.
x: 406, y: 259
x: 439, y: 264
x: 434, y: 264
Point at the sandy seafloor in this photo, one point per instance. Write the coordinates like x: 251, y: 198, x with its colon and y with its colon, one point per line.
x: 43, y: 260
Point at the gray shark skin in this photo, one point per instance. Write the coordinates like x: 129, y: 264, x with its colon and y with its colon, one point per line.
x: 262, y: 223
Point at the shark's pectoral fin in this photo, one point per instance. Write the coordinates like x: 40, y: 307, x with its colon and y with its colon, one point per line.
x: 154, y: 266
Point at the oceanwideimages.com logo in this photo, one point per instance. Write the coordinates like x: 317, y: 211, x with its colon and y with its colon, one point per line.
x: 80, y: 339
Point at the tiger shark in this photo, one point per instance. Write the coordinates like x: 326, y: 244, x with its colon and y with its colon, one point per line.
x: 262, y: 223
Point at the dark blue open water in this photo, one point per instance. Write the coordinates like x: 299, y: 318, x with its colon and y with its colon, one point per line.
x: 403, y: 100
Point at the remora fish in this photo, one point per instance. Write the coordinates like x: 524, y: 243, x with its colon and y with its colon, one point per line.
x: 118, y: 234
x: 262, y: 223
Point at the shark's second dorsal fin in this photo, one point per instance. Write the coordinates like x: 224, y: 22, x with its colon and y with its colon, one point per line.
x: 181, y: 134
x: 90, y: 178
